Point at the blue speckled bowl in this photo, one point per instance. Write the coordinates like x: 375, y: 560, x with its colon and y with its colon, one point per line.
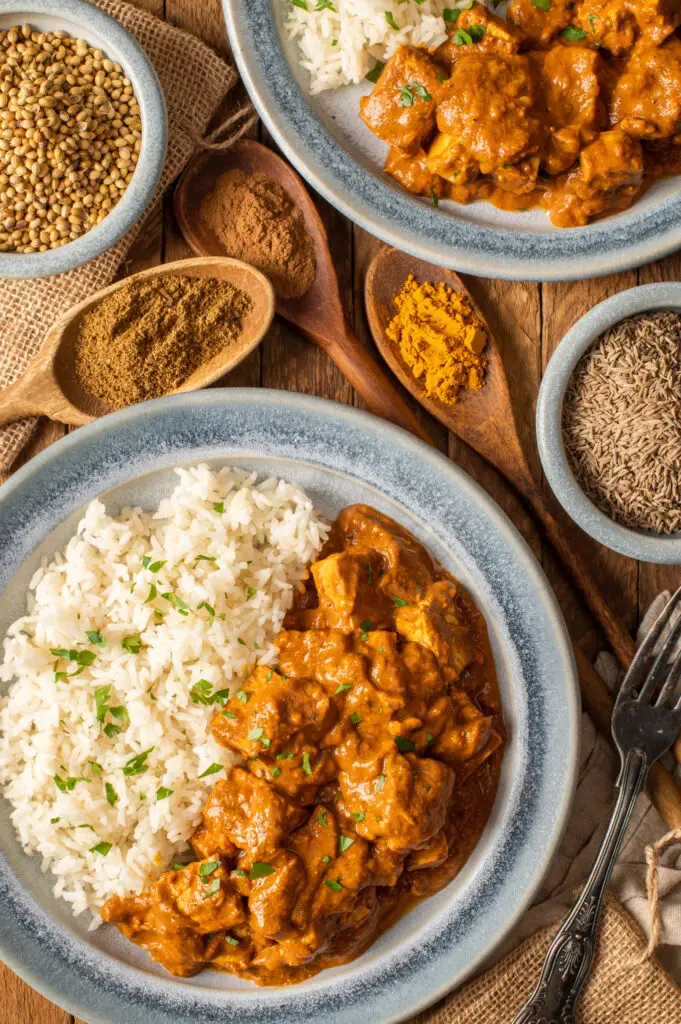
x: 641, y: 544
x: 324, y: 138
x: 339, y: 455
x: 82, y: 20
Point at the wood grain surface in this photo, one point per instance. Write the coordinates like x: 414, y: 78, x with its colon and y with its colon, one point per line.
x: 528, y: 321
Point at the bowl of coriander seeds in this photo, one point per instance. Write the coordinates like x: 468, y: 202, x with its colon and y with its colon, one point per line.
x: 83, y: 134
x: 609, y: 423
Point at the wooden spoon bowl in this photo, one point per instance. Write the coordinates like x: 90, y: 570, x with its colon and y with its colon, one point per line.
x: 50, y: 386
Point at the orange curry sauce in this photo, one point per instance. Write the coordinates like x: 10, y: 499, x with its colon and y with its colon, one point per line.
x: 370, y: 764
x: 573, y: 105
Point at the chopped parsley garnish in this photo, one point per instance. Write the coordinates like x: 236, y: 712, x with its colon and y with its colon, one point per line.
x: 342, y: 688
x: 120, y: 713
x: 212, y: 888
x: 95, y: 768
x: 256, y: 734
x: 324, y: 5
x: 366, y: 625
x: 111, y: 794
x: 436, y: 201
x: 543, y: 5
x: 102, y: 694
x: 146, y: 561
x: 344, y: 843
x: 242, y: 696
x: 275, y: 772
x: 66, y: 785
x: 101, y: 848
x: 336, y: 797
x: 573, y: 34
x: 379, y: 783
x: 391, y: 21
x: 229, y: 939
x: 335, y: 886
x: 430, y: 739
x: 157, y: 566
x: 179, y: 867
x: 86, y: 826
x: 284, y: 757
x: 137, y: 765
x: 200, y: 692
x: 212, y: 769
x: 82, y: 658
x: 399, y: 602
x: 592, y: 19
x: 359, y: 815
x: 355, y: 718
x: 240, y: 641
x: 406, y: 96
x: 163, y: 793
x: 95, y: 638
x: 208, y: 868
x: 205, y: 558
x: 209, y: 608
x: 323, y: 818
x: 303, y: 6
x: 477, y: 32
x: 219, y: 506
x: 239, y: 873
x: 111, y: 730
x: 375, y: 73
x: 53, y: 821
x: 326, y: 860
x: 152, y: 593
x: 132, y: 644
x: 307, y: 767
x: 229, y: 714
x: 450, y: 14
x: 176, y: 602
x: 404, y: 745
x: 260, y: 869
x: 423, y: 93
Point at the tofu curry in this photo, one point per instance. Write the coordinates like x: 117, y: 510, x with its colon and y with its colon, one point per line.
x: 573, y: 105
x: 369, y: 766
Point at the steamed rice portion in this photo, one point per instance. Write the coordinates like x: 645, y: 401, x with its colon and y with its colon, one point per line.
x: 339, y: 41
x: 106, y: 754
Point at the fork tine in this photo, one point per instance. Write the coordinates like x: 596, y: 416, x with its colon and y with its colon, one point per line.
x: 674, y: 677
x: 636, y: 669
x: 660, y: 668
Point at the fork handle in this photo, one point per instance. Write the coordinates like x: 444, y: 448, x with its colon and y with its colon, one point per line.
x: 569, y: 956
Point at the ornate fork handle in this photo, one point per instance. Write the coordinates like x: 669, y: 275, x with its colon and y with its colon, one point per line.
x: 569, y: 957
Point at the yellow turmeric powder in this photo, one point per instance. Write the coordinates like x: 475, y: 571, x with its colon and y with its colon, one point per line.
x: 440, y: 339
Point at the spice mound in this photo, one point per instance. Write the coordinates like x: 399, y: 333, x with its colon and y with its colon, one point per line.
x: 70, y: 137
x: 622, y: 422
x: 440, y: 339
x: 145, y: 339
x: 258, y: 222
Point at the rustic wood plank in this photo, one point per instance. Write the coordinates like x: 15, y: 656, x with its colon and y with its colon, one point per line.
x: 20, y: 1004
x: 562, y: 305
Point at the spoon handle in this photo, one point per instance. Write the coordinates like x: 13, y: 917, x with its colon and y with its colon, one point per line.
x: 371, y: 383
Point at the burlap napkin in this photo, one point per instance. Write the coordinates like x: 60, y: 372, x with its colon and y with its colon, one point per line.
x: 195, y: 81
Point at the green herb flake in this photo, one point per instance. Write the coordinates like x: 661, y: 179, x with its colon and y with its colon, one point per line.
x: 450, y: 14
x: 95, y: 637
x: 212, y: 769
x: 359, y: 815
x: 229, y: 714
x: 344, y: 843
x: 284, y: 757
x: 239, y: 873
x: 256, y: 734
x: 399, y: 602
x: 542, y: 5
x: 326, y: 860
x: 462, y: 38
x: 208, y: 868
x: 212, y: 889
x: 209, y: 608
x: 391, y: 21
x: 477, y: 32
x: 176, y: 602
x: 573, y: 34
x: 333, y: 885
x: 406, y: 96
x: 404, y: 745
x: 375, y: 73
x: 592, y: 19
x: 275, y: 772
x: 231, y: 941
x: 146, y: 561
x: 342, y: 688
x: 65, y: 785
x: 95, y: 768
x: 355, y: 718
x: 219, y: 506
x: 260, y: 869
x: 240, y: 641
x: 152, y: 593
x: 111, y: 730
x: 157, y: 566
x: 101, y: 848
x: 251, y: 592
x: 205, y: 558
x: 436, y: 201
x: 163, y: 793
x: 120, y: 713
x: 179, y: 867
x: 111, y: 794
x: 102, y: 694
x: 423, y: 94
x: 53, y: 821
x: 137, y: 765
x: 430, y: 739
x: 132, y: 644
x: 307, y: 767
x: 379, y: 783
x: 303, y: 6
x: 242, y: 696
x: 325, y: 5
x: 366, y: 625
x: 200, y: 692
x: 323, y: 818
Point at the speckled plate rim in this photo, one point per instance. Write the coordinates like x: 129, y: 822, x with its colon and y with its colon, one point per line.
x: 646, y: 547
x: 149, y: 169
x: 247, y: 422
x: 604, y: 247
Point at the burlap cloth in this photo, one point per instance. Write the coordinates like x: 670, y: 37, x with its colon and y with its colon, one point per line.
x: 195, y: 81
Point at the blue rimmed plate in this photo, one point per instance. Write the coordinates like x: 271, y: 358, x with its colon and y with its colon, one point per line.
x: 324, y: 138
x: 339, y: 455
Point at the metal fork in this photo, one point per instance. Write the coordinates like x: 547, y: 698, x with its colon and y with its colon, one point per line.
x: 645, y: 722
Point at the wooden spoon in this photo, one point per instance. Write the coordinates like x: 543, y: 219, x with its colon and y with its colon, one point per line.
x: 319, y: 313
x: 483, y: 419
x: 50, y: 387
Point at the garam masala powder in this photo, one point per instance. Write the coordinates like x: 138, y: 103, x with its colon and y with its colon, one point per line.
x: 440, y: 338
x: 146, y: 338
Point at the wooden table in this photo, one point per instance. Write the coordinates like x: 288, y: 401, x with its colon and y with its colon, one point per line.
x: 528, y: 321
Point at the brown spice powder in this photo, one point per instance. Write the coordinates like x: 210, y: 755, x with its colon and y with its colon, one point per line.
x: 145, y: 339
x: 258, y: 222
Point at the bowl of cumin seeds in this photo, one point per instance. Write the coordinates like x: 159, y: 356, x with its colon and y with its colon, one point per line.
x: 609, y: 423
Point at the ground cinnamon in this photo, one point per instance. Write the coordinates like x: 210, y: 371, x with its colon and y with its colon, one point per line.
x: 258, y: 222
x: 146, y: 338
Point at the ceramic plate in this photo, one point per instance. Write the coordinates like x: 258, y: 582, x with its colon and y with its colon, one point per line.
x: 325, y: 139
x: 339, y: 455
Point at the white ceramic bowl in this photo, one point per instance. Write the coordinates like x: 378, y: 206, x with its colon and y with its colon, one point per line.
x: 82, y: 20
x: 641, y: 544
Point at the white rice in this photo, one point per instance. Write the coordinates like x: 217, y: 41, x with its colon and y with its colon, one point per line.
x: 261, y: 543
x: 362, y: 35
